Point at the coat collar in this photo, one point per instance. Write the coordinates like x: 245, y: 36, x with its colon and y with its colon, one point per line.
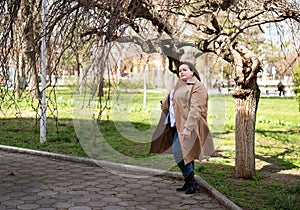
x: 189, y: 82
x: 192, y: 80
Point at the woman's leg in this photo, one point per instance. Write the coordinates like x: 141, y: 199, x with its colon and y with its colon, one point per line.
x: 187, y: 170
x: 177, y: 154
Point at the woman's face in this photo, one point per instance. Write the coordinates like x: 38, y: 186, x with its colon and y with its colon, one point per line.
x: 185, y: 73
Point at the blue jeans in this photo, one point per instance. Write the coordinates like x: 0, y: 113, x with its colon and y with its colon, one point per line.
x: 177, y: 153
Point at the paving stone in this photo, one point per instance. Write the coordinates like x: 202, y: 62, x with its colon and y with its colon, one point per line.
x: 97, y: 204
x: 12, y: 202
x: 80, y: 199
x: 80, y: 208
x: 113, y: 208
x: 46, y: 201
x: 147, y: 206
x: 128, y: 203
x: 3, y: 198
x: 125, y: 195
x: 29, y: 198
x: 28, y: 206
x: 63, y: 205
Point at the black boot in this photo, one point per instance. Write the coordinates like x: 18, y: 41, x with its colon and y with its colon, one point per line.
x: 191, y: 184
x: 184, y: 186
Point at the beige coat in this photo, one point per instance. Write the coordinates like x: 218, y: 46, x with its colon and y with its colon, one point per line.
x: 190, y: 110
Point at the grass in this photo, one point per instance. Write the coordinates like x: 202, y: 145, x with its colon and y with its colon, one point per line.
x: 124, y: 136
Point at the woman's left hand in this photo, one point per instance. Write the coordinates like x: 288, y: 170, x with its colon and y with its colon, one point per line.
x: 185, y: 134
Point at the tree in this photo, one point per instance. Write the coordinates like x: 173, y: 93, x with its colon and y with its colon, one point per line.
x: 217, y: 26
x: 220, y: 37
x: 296, y: 75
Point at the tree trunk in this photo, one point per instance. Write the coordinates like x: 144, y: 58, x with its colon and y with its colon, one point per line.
x: 245, y: 120
x: 31, y: 48
x: 246, y: 96
x: 34, y: 80
x: 17, y: 76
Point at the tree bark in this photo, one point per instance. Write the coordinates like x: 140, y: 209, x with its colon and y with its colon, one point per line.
x: 245, y: 120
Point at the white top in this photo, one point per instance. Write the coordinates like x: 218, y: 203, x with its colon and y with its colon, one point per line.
x: 171, y: 117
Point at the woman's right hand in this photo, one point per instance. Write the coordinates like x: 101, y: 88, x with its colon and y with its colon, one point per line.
x: 161, y: 105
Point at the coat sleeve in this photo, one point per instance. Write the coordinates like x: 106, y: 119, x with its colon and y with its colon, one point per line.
x: 197, y: 107
x: 166, y: 104
x: 162, y: 138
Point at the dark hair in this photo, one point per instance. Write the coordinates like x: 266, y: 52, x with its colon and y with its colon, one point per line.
x: 192, y: 67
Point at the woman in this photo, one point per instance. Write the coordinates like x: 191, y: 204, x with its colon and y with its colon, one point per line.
x: 183, y: 125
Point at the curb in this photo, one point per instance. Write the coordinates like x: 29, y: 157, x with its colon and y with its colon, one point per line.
x: 125, y: 167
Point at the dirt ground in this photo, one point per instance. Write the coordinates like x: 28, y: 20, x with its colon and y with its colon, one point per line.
x: 273, y: 172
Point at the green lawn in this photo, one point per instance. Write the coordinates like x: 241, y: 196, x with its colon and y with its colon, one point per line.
x: 124, y: 133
